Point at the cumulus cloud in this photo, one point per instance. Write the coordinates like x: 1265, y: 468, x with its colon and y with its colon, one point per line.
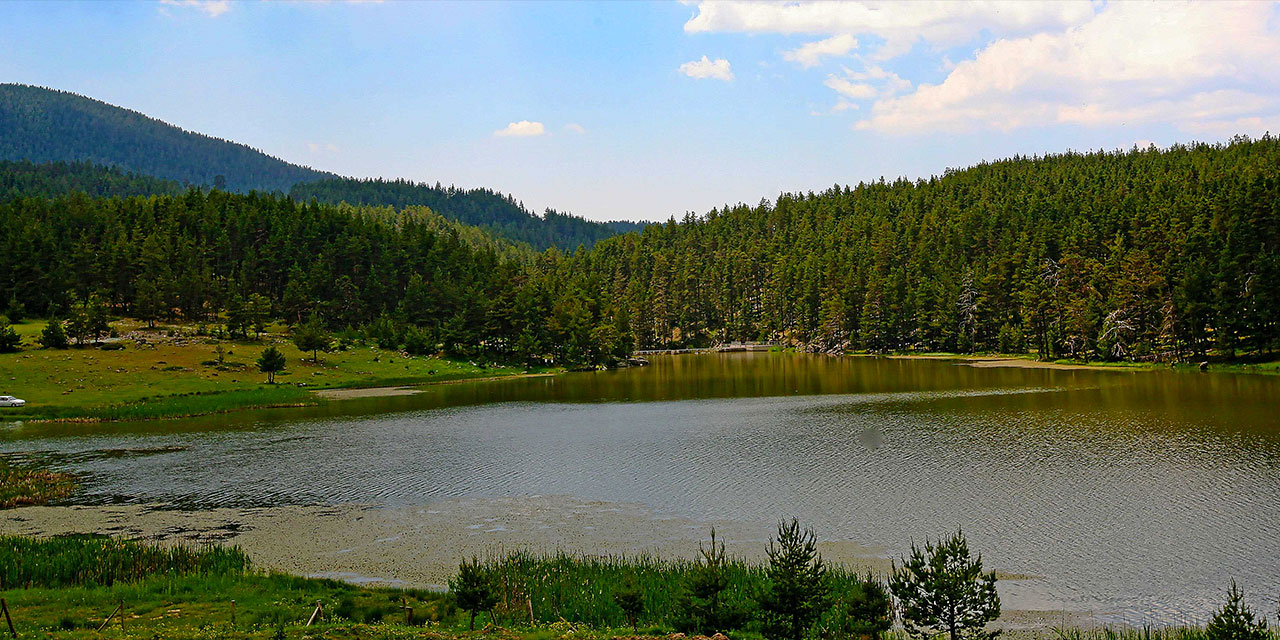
x: 522, y: 129
x: 1203, y: 67
x: 811, y: 54
x: 899, y: 24
x: 211, y: 8
x: 574, y: 127
x: 707, y: 68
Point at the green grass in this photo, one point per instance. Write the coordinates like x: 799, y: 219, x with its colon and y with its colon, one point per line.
x: 91, y: 561
x: 23, y: 485
x: 580, y: 588
x: 155, y: 377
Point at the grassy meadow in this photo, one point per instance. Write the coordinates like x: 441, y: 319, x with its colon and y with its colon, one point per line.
x: 171, y: 371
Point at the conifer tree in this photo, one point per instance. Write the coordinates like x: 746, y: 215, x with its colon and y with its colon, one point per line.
x: 942, y: 589
x: 797, y: 589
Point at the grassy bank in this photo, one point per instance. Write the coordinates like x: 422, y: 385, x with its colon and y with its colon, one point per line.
x: 171, y: 371
x: 68, y: 588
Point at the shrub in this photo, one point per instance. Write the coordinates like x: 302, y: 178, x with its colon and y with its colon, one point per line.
x: 702, y: 604
x: 10, y: 341
x: 473, y: 591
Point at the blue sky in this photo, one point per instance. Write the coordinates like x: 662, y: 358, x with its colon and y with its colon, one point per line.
x: 618, y: 114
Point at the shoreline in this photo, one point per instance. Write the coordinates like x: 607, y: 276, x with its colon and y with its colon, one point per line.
x: 419, y: 546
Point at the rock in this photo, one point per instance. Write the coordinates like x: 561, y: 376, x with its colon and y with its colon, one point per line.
x: 719, y: 636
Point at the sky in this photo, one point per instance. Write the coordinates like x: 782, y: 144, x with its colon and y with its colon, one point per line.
x: 643, y: 111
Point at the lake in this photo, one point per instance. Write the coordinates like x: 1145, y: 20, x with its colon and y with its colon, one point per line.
x: 1132, y: 495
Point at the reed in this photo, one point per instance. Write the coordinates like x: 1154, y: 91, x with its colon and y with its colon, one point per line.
x: 82, y: 561
x: 580, y: 588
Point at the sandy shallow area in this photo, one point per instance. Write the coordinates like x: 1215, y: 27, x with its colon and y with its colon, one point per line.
x: 991, y: 362
x: 421, y: 546
x: 415, y: 546
x: 371, y: 392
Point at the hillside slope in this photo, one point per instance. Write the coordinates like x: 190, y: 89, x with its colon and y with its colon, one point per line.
x: 485, y: 208
x: 46, y: 125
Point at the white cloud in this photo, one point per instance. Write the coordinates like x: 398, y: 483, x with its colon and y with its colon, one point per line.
x: 855, y: 90
x: 1200, y: 66
x: 861, y: 85
x: 318, y: 147
x: 574, y: 127
x: 899, y: 24
x: 211, y: 8
x: 706, y: 68
x: 522, y: 129
x: 811, y: 54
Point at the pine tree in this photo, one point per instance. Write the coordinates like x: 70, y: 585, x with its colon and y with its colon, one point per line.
x: 630, y: 599
x: 704, y: 605
x: 311, y: 336
x: 1235, y: 621
x: 53, y: 336
x: 472, y: 590
x: 10, y: 341
x: 271, y: 362
x: 797, y: 590
x: 941, y: 589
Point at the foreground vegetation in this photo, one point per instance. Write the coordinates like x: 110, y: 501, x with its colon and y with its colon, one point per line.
x: 86, y: 587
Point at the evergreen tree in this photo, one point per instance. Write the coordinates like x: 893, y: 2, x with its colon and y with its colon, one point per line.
x: 1235, y: 621
x: 10, y: 341
x: 797, y: 589
x: 53, y: 336
x: 704, y: 605
x: 941, y: 589
x: 473, y: 591
x: 311, y: 336
x: 149, y: 303
x: 271, y: 362
x: 630, y: 599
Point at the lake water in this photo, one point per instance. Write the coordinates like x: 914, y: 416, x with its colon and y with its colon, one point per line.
x: 1133, y: 495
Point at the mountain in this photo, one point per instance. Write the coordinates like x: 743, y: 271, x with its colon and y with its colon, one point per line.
x: 39, y: 125
x: 47, y: 125
x: 483, y: 208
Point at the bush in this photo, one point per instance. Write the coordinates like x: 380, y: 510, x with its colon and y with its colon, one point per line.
x: 702, y: 604
x: 472, y: 590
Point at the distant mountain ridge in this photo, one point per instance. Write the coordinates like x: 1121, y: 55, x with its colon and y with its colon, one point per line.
x: 48, y: 125
x: 40, y: 125
x: 484, y: 208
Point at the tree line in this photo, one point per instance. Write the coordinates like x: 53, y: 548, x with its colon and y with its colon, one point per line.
x: 498, y: 213
x: 1146, y: 254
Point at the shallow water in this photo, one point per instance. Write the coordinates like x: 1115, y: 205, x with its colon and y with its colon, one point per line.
x: 1133, y: 495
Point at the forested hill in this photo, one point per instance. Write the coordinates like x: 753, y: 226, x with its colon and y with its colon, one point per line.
x: 1146, y: 254
x: 46, y: 125
x: 484, y: 208
x: 52, y: 179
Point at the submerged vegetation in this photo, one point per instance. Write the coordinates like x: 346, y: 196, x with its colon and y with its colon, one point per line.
x: 22, y: 485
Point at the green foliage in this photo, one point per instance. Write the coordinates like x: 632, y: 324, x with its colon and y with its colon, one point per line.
x: 472, y: 590
x: 941, y: 589
x: 16, y: 311
x: 311, y: 336
x: 704, y: 607
x: 89, y: 319
x: 863, y: 610
x: 54, y: 336
x: 10, y: 341
x: 489, y: 210
x: 96, y: 561
x: 271, y: 362
x: 630, y: 599
x: 797, y: 591
x: 51, y: 179
x: 44, y: 125
x: 1235, y: 621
